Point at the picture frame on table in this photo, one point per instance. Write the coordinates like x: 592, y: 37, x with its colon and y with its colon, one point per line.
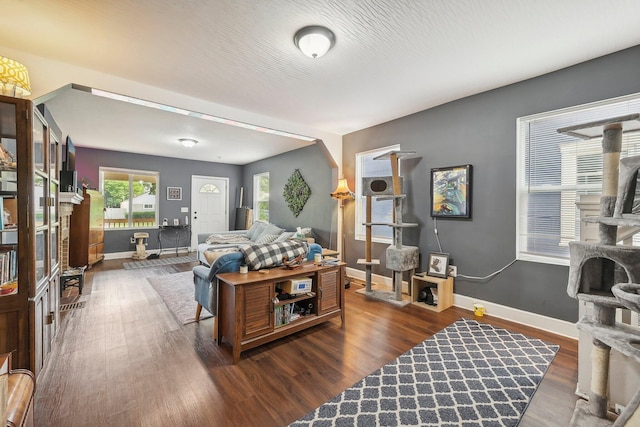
x: 451, y: 192
x: 438, y: 265
x: 174, y: 193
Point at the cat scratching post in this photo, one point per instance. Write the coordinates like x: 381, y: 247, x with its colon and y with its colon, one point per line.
x: 596, y: 269
x: 367, y: 261
x: 399, y: 258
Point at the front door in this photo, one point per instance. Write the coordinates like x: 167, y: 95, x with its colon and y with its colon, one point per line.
x: 209, y: 206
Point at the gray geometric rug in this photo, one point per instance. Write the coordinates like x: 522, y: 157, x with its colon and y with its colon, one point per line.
x: 468, y: 374
x: 176, y: 290
x: 159, y: 261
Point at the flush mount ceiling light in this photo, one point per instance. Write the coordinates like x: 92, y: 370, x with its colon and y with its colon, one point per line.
x: 314, y: 41
x: 187, y: 142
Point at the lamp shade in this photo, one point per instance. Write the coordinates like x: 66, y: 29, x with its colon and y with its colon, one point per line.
x: 14, y: 78
x: 342, y: 191
x: 314, y: 41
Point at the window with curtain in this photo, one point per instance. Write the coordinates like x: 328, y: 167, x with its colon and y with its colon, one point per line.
x: 381, y: 210
x: 130, y: 197
x: 261, y: 196
x: 554, y: 170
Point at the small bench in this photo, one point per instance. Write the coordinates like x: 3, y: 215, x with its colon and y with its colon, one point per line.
x: 72, y: 277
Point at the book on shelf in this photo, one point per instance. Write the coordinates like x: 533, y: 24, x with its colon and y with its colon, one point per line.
x: 8, y: 264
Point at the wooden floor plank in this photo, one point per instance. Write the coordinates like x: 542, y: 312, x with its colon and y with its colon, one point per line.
x: 124, y: 360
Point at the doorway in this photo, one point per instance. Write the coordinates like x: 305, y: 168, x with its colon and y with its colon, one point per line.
x: 209, y: 206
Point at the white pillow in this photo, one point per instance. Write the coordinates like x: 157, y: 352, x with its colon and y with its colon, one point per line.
x: 269, y: 229
x: 285, y: 236
x: 256, y: 229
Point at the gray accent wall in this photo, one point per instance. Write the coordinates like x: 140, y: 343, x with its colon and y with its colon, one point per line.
x: 173, y: 173
x: 320, y: 212
x: 481, y: 130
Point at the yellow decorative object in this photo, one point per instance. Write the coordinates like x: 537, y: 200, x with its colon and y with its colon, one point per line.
x: 478, y: 310
x: 14, y: 78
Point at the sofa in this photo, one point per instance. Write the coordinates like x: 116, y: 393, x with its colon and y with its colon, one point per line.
x: 259, y: 233
x: 256, y: 256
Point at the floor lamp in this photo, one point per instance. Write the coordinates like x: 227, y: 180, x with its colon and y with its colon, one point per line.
x: 342, y: 193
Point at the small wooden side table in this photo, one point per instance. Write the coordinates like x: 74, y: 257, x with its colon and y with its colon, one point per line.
x: 443, y: 291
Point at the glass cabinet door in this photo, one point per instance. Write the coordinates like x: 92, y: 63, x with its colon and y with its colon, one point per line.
x: 41, y: 255
x: 54, y: 156
x: 8, y: 201
x: 39, y: 137
x: 55, y: 257
x: 40, y: 200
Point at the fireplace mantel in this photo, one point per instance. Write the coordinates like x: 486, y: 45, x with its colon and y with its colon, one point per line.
x: 71, y: 197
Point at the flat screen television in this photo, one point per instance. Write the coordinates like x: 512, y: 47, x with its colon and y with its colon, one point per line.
x: 69, y: 163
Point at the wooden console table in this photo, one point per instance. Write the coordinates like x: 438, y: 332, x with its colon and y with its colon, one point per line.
x: 247, y: 307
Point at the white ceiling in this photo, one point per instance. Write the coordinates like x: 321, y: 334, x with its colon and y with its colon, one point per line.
x: 391, y: 57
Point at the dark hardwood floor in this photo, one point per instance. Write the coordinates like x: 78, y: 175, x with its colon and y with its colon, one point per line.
x: 123, y: 360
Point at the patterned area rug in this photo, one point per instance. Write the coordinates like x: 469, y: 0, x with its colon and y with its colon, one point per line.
x: 159, y: 261
x: 176, y: 290
x: 468, y: 374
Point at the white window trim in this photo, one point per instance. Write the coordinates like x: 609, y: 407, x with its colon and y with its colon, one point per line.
x: 521, y: 232
x: 256, y: 192
x: 360, y: 229
x: 103, y: 169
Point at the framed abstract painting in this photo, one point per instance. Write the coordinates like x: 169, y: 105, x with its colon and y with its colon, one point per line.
x: 451, y: 192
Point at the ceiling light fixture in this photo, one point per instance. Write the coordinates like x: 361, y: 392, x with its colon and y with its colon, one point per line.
x: 14, y: 78
x: 187, y: 142
x: 314, y: 41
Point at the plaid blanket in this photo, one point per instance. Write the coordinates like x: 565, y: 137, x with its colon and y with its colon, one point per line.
x: 270, y: 255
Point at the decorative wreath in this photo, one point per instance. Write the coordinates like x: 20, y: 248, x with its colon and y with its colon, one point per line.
x: 296, y: 192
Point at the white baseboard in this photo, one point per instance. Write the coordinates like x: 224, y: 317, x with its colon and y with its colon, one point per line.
x: 127, y: 254
x: 538, y: 321
x: 118, y: 255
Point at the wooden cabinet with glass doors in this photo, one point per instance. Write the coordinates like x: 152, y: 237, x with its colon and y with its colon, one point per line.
x: 29, y: 254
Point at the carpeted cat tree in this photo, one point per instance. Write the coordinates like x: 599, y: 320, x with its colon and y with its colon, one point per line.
x: 607, y: 274
x: 399, y: 258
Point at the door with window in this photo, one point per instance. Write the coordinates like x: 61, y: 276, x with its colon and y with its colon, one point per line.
x: 209, y: 206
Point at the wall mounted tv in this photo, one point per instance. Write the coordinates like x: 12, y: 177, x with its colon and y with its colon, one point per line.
x: 69, y: 163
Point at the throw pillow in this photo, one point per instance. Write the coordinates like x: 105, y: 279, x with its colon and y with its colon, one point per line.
x: 256, y: 228
x: 270, y: 255
x: 266, y: 238
x: 269, y: 229
x: 212, y: 256
x: 285, y: 236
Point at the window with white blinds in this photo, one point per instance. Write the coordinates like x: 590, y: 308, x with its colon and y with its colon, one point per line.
x: 554, y: 169
x: 381, y: 210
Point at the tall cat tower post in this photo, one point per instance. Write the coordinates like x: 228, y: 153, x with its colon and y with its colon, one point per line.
x: 399, y: 257
x: 606, y: 274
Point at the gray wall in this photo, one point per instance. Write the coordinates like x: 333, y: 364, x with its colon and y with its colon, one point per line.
x: 481, y: 130
x: 320, y: 212
x: 173, y: 173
